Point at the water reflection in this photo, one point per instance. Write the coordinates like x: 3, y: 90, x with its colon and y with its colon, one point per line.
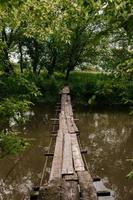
x: 109, y: 138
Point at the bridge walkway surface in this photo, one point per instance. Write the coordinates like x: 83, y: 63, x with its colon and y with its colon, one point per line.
x: 70, y: 178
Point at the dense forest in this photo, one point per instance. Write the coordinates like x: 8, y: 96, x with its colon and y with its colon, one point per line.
x: 46, y: 44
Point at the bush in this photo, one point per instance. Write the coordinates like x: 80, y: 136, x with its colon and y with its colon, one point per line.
x: 13, y: 108
x: 100, y: 89
x: 18, y: 85
x: 11, y: 143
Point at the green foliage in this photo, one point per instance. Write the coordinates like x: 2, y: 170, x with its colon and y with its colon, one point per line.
x: 50, y: 87
x: 100, y: 89
x: 17, y: 91
x: 11, y: 143
x: 12, y: 108
x: 18, y: 85
x: 130, y: 175
x: 60, y: 35
x: 125, y: 69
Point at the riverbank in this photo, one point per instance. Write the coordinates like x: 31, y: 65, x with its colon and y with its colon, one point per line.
x: 20, y: 92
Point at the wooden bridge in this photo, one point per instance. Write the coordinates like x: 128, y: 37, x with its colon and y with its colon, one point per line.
x: 69, y: 177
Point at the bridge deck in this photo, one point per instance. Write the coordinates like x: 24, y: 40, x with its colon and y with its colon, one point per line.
x: 69, y: 179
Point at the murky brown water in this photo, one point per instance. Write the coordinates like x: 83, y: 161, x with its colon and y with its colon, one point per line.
x: 108, y: 136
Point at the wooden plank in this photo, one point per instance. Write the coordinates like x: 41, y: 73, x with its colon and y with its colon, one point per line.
x: 55, y: 174
x: 69, y: 116
x: 63, y: 100
x: 74, y: 125
x: 70, y: 105
x: 69, y: 124
x: 49, y: 154
x: 102, y: 191
x: 51, y: 192
x: 77, y: 158
x: 68, y: 169
x: 106, y: 198
x: 63, y: 124
x: 65, y: 90
x: 70, y: 191
x: 99, y: 186
x: 67, y: 166
x: 88, y: 191
x: 72, y: 177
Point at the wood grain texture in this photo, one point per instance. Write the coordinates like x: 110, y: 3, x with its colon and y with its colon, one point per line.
x: 88, y: 191
x: 67, y: 166
x: 77, y: 157
x: 55, y: 174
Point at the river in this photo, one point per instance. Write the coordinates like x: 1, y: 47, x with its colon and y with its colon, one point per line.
x: 107, y: 135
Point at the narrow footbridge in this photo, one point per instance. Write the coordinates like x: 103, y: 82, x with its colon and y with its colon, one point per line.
x: 70, y: 178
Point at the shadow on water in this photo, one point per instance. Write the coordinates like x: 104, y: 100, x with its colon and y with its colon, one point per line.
x: 108, y: 136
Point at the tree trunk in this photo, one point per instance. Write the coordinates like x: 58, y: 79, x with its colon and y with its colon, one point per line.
x: 50, y: 72
x: 6, y: 61
x: 21, y: 57
x: 34, y: 67
x: 67, y: 74
x: 36, y: 57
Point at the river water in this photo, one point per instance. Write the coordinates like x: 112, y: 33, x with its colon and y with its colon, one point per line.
x: 107, y: 135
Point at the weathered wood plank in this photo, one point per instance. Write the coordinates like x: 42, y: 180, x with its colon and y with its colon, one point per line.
x: 51, y: 192
x: 63, y: 100
x: 100, y: 186
x: 57, y: 159
x: 63, y: 124
x: 65, y: 90
x: 102, y: 191
x: 67, y: 165
x: 88, y: 191
x: 72, y: 177
x: 70, y: 191
x: 77, y: 158
x: 74, y: 125
x: 68, y: 168
x: 105, y: 198
x: 69, y: 124
x: 70, y: 105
